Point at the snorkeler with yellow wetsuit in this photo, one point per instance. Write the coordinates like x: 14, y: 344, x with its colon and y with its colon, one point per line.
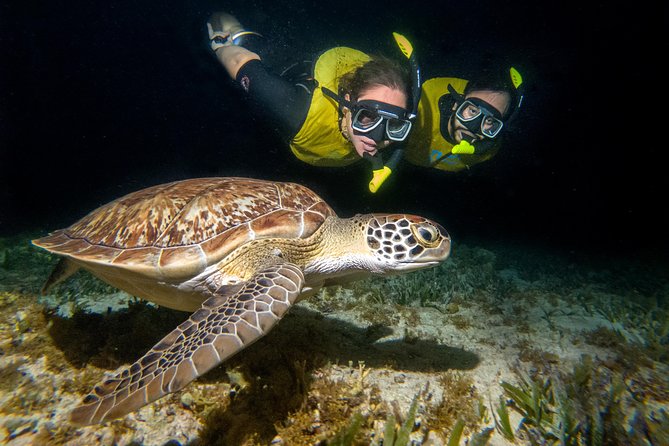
x: 460, y: 122
x: 348, y: 105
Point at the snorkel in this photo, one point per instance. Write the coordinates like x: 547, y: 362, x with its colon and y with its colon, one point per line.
x: 380, y: 121
x: 466, y: 146
x: 472, y: 145
x: 381, y: 170
x: 517, y: 81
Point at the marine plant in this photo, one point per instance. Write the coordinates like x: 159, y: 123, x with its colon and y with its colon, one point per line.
x: 394, y: 433
x: 502, y: 421
x: 22, y: 266
x: 585, y: 407
x: 394, y: 436
x: 470, y: 272
x: 453, y: 415
x: 346, y: 436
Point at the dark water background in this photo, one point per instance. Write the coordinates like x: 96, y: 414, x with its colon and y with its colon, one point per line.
x: 99, y: 99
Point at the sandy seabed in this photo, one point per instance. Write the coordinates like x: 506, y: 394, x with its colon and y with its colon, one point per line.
x: 508, y: 344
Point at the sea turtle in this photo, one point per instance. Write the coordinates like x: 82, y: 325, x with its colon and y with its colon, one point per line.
x: 237, y: 252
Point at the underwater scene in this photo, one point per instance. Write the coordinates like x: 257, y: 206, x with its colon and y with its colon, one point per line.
x: 498, y: 345
x: 474, y: 251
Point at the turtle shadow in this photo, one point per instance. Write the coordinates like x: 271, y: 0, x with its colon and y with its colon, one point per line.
x: 339, y: 341
x: 278, y: 367
x: 114, y: 338
x: 281, y: 365
x: 117, y: 337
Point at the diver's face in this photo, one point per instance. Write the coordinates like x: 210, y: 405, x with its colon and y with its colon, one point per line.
x: 364, y: 144
x: 499, y: 100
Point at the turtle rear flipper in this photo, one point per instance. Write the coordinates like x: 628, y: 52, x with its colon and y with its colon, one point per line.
x: 224, y: 325
x: 63, y: 269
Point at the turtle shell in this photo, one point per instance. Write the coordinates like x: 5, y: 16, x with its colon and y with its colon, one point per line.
x: 176, y: 230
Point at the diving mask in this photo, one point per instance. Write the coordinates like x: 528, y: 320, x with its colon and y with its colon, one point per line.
x: 379, y: 121
x: 375, y: 119
x: 479, y: 117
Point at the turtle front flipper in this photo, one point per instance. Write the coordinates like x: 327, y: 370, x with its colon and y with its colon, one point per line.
x: 63, y: 269
x: 224, y: 325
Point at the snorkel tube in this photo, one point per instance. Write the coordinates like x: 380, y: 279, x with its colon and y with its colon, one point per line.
x: 407, y: 49
x: 517, y: 81
x: 380, y: 170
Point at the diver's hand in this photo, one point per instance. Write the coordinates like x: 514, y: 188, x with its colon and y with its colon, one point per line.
x: 225, y: 30
x: 221, y: 27
x: 218, y: 39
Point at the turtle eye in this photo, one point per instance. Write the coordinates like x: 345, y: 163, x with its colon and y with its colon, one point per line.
x: 426, y: 234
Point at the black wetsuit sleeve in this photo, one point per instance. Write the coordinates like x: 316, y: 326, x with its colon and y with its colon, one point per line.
x: 282, y: 102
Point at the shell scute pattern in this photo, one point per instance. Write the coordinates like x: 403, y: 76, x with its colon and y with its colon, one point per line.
x: 171, y: 261
x: 220, y: 209
x: 137, y: 219
x: 225, y: 242
x: 295, y: 196
x: 72, y: 246
x: 136, y: 258
x: 282, y: 223
x: 100, y: 253
x: 177, y: 229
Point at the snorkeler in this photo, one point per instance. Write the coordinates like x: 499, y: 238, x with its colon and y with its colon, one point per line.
x: 461, y: 123
x: 352, y: 105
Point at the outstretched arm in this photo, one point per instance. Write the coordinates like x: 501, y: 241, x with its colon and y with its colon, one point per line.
x: 234, y: 57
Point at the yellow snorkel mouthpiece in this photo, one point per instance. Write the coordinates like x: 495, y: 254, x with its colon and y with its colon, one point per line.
x: 464, y: 147
x: 378, y: 177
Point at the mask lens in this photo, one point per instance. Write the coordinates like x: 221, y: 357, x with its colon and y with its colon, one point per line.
x: 491, y: 126
x: 369, y: 114
x: 398, y: 129
x: 366, y: 120
x: 468, y: 111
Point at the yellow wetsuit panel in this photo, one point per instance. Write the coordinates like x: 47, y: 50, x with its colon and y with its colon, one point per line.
x: 319, y: 141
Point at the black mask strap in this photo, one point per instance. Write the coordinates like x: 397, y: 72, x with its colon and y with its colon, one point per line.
x: 459, y: 99
x: 341, y: 102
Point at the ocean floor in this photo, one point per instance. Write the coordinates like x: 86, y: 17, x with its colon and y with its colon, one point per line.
x: 500, y: 345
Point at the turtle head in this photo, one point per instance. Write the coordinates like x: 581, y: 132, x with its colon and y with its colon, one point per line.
x: 403, y: 242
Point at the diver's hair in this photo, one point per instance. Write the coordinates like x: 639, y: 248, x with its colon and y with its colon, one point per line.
x: 379, y: 70
x: 497, y: 80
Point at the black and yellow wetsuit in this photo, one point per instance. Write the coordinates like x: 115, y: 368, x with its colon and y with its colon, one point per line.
x: 308, y: 120
x: 320, y: 141
x: 429, y: 144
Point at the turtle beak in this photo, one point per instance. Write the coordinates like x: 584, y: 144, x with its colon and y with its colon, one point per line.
x: 429, y: 245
